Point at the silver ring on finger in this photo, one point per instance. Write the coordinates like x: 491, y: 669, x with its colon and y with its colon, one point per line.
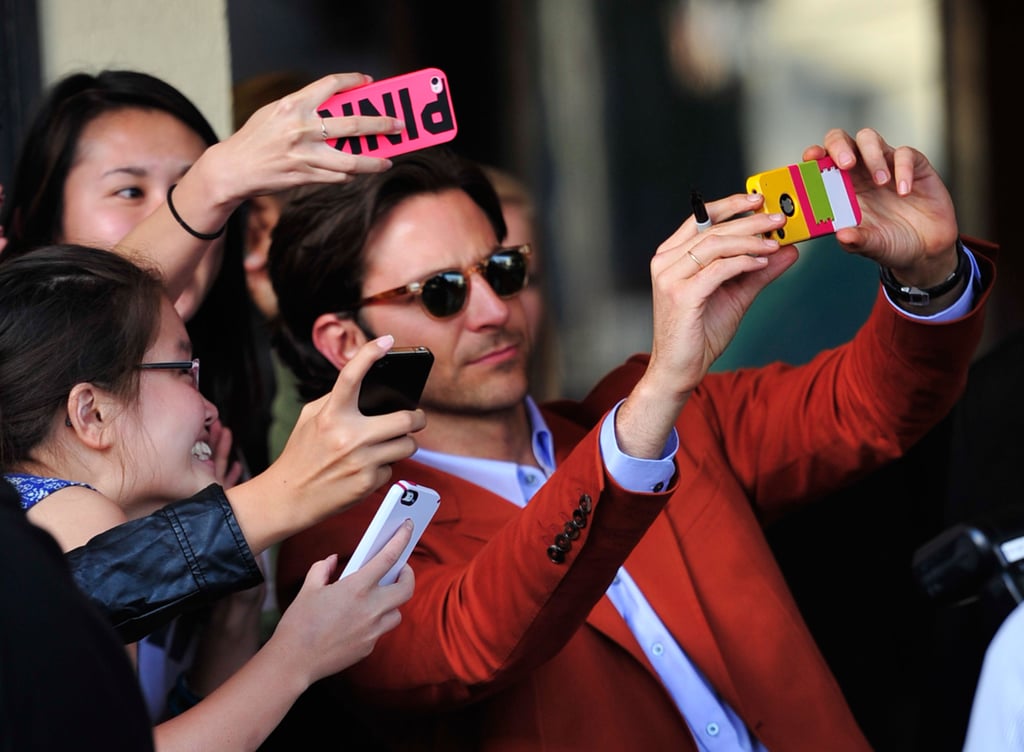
x: 323, y: 129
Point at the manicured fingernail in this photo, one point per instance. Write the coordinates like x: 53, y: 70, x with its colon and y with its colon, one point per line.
x: 845, y: 159
x: 775, y: 217
x: 385, y: 341
x: 770, y: 243
x: 753, y: 197
x: 903, y: 189
x: 881, y: 177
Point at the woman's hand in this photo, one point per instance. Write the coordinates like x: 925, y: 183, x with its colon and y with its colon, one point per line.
x: 334, y: 457
x: 281, y: 146
x: 227, y: 470
x: 333, y: 623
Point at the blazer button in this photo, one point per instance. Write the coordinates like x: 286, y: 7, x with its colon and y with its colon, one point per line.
x: 586, y: 503
x: 579, y: 518
x: 562, y: 542
x: 556, y: 554
x: 570, y: 531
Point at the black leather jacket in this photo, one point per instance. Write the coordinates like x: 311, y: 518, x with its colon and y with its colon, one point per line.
x: 143, y: 573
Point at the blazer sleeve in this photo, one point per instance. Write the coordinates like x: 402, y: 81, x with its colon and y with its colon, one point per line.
x: 794, y: 433
x: 144, y: 572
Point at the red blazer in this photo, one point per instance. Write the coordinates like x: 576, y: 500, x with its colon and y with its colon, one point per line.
x: 502, y: 649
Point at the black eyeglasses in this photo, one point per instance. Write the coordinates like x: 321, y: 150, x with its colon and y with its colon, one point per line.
x: 444, y: 294
x: 185, y: 366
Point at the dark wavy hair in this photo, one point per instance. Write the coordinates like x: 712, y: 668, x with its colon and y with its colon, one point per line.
x: 222, y: 329
x: 68, y: 315
x: 316, y: 260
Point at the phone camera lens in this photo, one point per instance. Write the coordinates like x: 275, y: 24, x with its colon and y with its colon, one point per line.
x: 435, y: 85
x: 787, y: 205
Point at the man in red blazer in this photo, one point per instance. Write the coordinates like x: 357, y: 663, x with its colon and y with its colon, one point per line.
x: 596, y: 576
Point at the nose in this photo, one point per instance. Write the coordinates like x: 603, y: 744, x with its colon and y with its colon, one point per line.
x: 483, y: 306
x: 210, y: 413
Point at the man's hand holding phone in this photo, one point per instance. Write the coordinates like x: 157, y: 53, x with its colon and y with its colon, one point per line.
x: 816, y: 197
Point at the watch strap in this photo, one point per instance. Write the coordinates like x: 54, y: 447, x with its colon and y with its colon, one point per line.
x: 917, y: 296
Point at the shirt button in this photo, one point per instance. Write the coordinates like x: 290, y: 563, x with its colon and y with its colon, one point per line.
x: 531, y: 478
x: 657, y: 648
x: 658, y: 486
x: 712, y: 729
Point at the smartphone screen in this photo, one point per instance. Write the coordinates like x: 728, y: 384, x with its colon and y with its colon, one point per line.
x: 395, y: 381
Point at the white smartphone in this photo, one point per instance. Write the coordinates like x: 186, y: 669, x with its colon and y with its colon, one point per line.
x: 404, y: 501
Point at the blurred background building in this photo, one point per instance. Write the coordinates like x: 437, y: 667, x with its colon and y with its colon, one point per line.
x: 612, y: 111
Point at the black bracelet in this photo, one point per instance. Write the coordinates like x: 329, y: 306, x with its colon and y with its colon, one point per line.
x: 184, y: 224
x: 915, y: 296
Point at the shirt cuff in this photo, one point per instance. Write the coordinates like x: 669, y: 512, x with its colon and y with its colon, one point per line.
x: 633, y: 473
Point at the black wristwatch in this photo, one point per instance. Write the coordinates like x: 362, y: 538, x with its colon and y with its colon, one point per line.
x: 915, y: 296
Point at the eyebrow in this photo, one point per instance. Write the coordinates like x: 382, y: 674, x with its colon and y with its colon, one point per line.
x: 139, y: 172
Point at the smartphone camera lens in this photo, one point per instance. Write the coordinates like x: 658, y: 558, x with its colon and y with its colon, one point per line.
x: 435, y: 84
x: 787, y: 205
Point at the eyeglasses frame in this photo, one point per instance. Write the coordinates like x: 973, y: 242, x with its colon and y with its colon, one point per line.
x: 175, y: 365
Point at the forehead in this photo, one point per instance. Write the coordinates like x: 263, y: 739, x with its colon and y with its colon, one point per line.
x: 427, y: 233
x: 130, y: 131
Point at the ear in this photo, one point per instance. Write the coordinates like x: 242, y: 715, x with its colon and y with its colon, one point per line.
x: 90, y: 412
x: 337, y: 338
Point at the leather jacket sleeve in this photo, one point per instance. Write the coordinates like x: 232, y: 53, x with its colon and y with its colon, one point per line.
x: 143, y: 573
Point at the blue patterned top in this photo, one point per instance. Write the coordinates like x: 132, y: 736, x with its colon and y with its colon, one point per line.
x: 32, y: 488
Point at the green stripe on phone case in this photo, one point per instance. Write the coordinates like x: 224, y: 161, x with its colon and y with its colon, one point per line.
x: 816, y: 193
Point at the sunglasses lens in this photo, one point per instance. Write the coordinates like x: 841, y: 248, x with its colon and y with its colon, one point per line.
x: 506, y: 272
x: 444, y: 294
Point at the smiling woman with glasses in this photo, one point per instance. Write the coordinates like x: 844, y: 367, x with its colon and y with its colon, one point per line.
x: 88, y: 444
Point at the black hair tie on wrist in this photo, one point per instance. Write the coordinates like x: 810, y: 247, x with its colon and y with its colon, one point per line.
x: 184, y: 224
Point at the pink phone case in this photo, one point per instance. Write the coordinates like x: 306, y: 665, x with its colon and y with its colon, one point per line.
x: 420, y: 98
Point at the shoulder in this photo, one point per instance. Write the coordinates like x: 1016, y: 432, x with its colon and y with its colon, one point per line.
x: 34, y: 488
x: 76, y: 513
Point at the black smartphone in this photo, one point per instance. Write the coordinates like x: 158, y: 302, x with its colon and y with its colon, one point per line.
x: 395, y: 382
